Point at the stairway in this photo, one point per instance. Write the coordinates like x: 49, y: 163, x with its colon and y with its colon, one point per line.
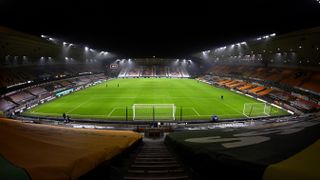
x: 155, y: 162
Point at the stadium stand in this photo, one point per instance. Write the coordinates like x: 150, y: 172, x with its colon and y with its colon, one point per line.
x: 37, y: 91
x: 312, y: 82
x: 21, y: 97
x: 254, y: 151
x: 49, y: 152
x: 154, y: 71
x: 264, y: 92
x: 6, y: 105
x: 276, y: 70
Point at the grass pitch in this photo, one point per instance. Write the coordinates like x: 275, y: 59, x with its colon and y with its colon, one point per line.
x: 197, y: 100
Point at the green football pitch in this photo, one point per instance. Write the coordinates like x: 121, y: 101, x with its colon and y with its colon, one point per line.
x: 183, y: 99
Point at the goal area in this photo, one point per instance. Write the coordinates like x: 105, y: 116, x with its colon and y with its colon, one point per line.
x: 257, y: 109
x: 153, y: 111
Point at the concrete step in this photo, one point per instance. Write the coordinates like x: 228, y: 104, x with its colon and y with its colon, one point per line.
x: 180, y: 170
x: 155, y: 162
x: 156, y: 178
x: 154, y: 154
x: 155, y: 166
x: 155, y: 158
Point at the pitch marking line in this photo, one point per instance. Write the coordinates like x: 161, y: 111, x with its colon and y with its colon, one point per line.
x: 78, y: 106
x: 112, y: 111
x: 196, y: 111
x: 230, y: 107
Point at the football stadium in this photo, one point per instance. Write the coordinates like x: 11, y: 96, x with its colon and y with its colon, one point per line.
x: 146, y: 98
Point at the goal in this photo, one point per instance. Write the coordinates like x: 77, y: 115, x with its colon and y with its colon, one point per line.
x: 153, y: 111
x: 256, y: 109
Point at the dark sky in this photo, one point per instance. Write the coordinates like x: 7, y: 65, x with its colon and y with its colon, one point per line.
x: 161, y: 28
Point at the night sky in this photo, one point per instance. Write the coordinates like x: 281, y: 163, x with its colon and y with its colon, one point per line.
x: 158, y: 28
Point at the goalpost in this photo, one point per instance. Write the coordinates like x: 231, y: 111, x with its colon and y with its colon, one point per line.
x: 256, y: 109
x: 153, y: 111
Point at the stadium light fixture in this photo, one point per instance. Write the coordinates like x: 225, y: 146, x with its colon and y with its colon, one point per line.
x: 64, y: 43
x: 43, y: 36
x: 243, y: 43
x: 86, y: 48
x: 51, y: 39
x: 273, y: 34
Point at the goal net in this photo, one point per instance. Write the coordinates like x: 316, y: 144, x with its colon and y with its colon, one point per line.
x: 256, y: 109
x: 153, y: 111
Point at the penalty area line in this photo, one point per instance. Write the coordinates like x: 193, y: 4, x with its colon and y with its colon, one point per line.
x: 78, y: 106
x: 111, y: 112
x: 194, y: 110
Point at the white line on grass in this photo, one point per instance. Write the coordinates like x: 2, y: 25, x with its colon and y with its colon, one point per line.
x: 111, y: 111
x: 78, y: 105
x: 231, y: 107
x: 196, y: 111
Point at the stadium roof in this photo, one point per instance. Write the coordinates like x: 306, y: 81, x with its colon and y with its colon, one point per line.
x: 161, y: 29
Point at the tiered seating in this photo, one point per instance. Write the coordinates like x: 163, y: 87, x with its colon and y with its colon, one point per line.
x: 58, y: 152
x: 84, y: 80
x: 280, y: 95
x: 223, y: 82
x: 37, y: 90
x: 231, y: 82
x: 236, y: 85
x: 264, y: 92
x: 135, y: 72
x: 313, y: 82
x: 286, y: 76
x: 274, y: 75
x: 260, y: 73
x: 295, y: 79
x: 154, y: 161
x: 101, y: 77
x: 123, y: 72
x: 184, y: 72
x: 245, y: 87
x: 5, y: 105
x: 161, y: 71
x: 174, y: 72
x: 215, y: 152
x: 64, y: 83
x: 257, y: 89
x: 147, y: 71
x: 14, y: 76
x: 21, y: 97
